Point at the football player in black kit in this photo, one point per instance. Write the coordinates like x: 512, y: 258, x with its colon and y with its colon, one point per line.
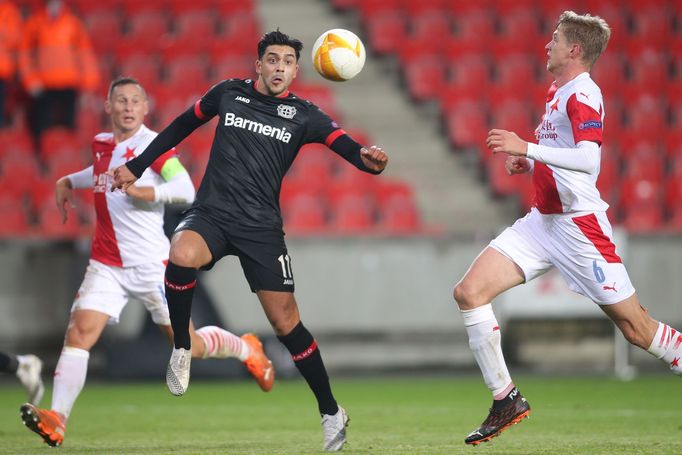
x: 261, y: 128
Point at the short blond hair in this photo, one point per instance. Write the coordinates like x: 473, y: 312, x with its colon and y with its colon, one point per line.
x: 591, y: 32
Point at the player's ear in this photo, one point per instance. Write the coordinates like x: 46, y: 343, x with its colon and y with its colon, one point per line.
x: 259, y: 66
x: 107, y: 107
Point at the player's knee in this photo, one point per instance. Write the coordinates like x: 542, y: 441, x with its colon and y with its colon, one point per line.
x: 466, y: 296
x: 184, y: 257
x: 80, y: 336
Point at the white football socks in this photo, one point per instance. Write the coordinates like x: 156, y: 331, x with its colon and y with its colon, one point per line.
x: 69, y: 378
x: 221, y: 344
x: 667, y: 346
x: 485, y: 343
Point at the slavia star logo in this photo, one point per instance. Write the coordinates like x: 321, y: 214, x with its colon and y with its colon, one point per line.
x: 129, y: 154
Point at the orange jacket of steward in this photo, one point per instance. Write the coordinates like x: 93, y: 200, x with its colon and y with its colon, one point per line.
x: 10, y: 37
x: 56, y: 53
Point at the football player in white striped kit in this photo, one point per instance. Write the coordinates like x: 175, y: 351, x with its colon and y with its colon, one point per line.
x: 128, y: 259
x: 567, y: 228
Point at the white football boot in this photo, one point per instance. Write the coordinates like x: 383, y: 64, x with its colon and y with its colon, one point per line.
x: 334, y: 428
x: 177, y: 374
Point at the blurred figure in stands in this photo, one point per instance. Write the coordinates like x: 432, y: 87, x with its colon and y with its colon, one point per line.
x: 10, y: 37
x: 56, y: 61
x: 27, y: 368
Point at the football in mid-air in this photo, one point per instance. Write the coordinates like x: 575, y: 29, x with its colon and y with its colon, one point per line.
x: 338, y: 55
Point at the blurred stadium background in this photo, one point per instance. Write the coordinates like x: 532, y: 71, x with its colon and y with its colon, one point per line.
x: 375, y: 258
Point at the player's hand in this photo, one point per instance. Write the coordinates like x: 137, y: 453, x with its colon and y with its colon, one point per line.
x: 63, y: 195
x: 516, y: 165
x: 123, y: 178
x: 374, y: 158
x: 506, y: 142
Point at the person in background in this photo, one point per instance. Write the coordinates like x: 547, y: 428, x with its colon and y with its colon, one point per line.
x: 10, y: 36
x: 56, y: 63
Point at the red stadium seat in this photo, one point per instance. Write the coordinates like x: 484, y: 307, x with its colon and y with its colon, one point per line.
x: 609, y: 72
x: 467, y: 124
x: 426, y: 6
x: 369, y: 8
x: 516, y: 74
x: 643, y: 220
x: 608, y: 175
x: 187, y: 72
x: 51, y: 226
x: 638, y: 192
x: 432, y: 27
x: 521, y: 26
x: 145, y: 28
x: 386, y: 32
x: 227, y: 8
x: 242, y: 27
x: 399, y: 216
x: 475, y: 25
x: 352, y: 215
x: 501, y: 183
x: 141, y: 66
x: 304, y: 216
x: 104, y: 29
x: 646, y: 116
x: 14, y: 220
x: 652, y: 24
x: 425, y: 77
x: 648, y: 66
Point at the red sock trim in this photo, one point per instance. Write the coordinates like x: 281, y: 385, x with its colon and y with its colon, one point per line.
x: 180, y: 287
x: 306, y: 353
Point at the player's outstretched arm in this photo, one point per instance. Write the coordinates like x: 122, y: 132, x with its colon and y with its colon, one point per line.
x: 374, y: 158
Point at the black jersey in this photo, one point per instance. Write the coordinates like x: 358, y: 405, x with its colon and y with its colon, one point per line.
x: 256, y: 140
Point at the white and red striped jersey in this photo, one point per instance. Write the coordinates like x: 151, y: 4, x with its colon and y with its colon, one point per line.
x: 573, y: 113
x: 129, y: 231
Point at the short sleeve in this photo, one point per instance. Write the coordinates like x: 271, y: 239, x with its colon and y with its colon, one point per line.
x: 321, y: 128
x: 586, y: 122
x: 207, y: 106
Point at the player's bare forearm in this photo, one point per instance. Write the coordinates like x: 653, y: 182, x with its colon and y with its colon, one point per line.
x: 123, y: 178
x: 143, y: 193
x: 62, y: 193
x: 503, y: 141
x: 374, y: 158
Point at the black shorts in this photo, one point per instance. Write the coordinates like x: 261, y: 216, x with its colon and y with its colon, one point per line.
x: 262, y: 253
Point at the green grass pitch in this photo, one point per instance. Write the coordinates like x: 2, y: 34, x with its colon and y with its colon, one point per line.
x: 389, y: 415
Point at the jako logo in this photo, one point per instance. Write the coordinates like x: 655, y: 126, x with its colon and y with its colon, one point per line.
x: 243, y: 99
x: 281, y: 134
x: 589, y: 125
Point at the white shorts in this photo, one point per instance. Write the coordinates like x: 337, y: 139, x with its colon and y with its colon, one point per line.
x: 578, y: 244
x: 108, y: 289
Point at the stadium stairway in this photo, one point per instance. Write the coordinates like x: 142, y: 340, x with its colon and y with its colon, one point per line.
x: 447, y: 187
